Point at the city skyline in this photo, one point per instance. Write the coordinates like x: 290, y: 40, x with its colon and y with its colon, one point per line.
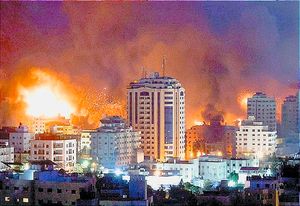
x: 217, y: 53
x: 149, y: 103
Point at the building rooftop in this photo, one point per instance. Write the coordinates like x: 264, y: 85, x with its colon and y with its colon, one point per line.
x: 156, y: 81
x: 41, y: 162
x: 49, y: 136
x: 258, y: 177
x: 249, y: 168
x: 290, y: 98
x: 113, y: 124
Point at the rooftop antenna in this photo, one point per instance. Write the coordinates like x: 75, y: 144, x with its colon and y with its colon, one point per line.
x: 164, y: 65
x: 143, y: 72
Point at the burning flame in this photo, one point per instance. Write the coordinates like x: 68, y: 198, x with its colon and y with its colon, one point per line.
x: 243, y: 99
x: 198, y: 123
x: 45, y: 101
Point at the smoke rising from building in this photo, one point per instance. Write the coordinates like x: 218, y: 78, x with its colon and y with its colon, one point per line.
x: 95, y: 49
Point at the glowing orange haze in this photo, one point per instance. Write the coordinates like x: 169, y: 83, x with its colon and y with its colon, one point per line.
x: 51, y: 97
x: 45, y: 101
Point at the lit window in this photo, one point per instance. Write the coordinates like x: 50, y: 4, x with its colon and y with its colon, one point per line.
x: 25, y: 199
x: 7, y: 199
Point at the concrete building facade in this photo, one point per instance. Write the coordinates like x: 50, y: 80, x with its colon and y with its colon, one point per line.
x: 115, y: 143
x: 44, y: 186
x: 20, y: 139
x: 60, y: 149
x: 210, y: 139
x: 6, y: 155
x: 212, y: 168
x: 263, y: 108
x: 255, y: 139
x: 156, y: 107
x: 289, y: 116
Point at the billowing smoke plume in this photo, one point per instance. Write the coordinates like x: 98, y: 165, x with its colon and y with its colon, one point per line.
x: 100, y: 47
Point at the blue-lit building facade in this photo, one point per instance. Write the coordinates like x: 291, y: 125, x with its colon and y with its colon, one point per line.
x: 156, y: 107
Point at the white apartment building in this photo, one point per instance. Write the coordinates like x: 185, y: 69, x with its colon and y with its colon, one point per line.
x: 156, y: 107
x: 64, y: 129
x: 85, y: 141
x: 263, y: 108
x: 39, y: 125
x: 6, y: 155
x: 255, y: 139
x: 212, y: 168
x: 20, y: 139
x: 115, y: 144
x: 187, y: 170
x: 235, y: 164
x: 59, y: 149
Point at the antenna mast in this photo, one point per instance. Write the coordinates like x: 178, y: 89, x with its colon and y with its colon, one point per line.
x: 143, y: 72
x: 164, y: 65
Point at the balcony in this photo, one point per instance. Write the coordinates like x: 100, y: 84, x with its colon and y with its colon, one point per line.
x: 58, y: 146
x: 58, y: 152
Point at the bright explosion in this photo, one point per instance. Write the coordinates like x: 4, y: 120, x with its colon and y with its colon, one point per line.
x: 44, y: 101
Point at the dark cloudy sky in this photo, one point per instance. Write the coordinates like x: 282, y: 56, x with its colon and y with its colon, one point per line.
x: 218, y: 50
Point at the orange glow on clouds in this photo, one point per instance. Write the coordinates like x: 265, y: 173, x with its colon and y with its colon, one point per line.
x: 46, y: 101
x: 242, y: 99
x: 199, y: 123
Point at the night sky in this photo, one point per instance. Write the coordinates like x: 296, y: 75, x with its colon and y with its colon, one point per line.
x: 220, y: 51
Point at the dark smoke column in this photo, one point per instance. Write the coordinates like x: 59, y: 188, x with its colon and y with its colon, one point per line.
x: 156, y: 107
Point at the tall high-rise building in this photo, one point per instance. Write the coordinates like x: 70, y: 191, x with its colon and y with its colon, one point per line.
x: 298, y: 101
x: 289, y: 116
x: 156, y: 107
x: 289, y: 144
x: 263, y: 108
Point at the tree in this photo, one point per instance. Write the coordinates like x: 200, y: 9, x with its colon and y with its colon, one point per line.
x: 211, y: 202
x: 192, y: 188
x: 208, y: 185
x: 233, y: 176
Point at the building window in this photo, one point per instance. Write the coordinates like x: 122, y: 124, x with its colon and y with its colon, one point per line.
x: 25, y: 199
x: 7, y: 199
x: 58, y: 190
x: 73, y: 191
x: 49, y: 190
x: 168, y: 125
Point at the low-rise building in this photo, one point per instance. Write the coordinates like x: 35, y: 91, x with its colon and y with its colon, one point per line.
x: 212, y: 168
x: 42, y: 185
x: 115, y: 144
x: 254, y: 139
x: 4, y: 135
x: 213, y: 138
x: 235, y: 164
x: 64, y: 129
x: 113, y: 190
x: 187, y: 170
x: 264, y: 189
x: 85, y: 141
x: 6, y: 155
x: 20, y: 141
x: 60, y: 149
